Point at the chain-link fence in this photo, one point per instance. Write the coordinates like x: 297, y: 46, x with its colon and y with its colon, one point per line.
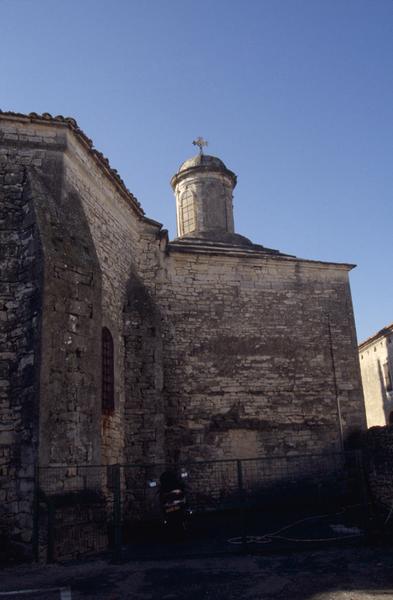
x: 76, y: 511
x: 87, y: 509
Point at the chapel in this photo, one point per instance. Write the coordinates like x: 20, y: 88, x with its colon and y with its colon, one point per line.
x: 120, y: 345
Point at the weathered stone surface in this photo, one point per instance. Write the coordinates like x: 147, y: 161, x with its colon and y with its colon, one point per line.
x: 222, y: 349
x: 20, y: 320
x: 378, y: 455
x: 257, y: 348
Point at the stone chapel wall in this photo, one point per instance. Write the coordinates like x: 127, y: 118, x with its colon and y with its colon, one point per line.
x: 20, y: 316
x: 217, y: 353
x: 96, y: 244
x: 258, y: 352
x: 126, y: 245
x: 70, y: 245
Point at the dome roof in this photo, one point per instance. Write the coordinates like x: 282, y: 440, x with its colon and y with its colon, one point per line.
x: 202, y: 163
x: 203, y: 160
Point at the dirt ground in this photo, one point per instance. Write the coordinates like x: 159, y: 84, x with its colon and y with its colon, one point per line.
x: 354, y: 573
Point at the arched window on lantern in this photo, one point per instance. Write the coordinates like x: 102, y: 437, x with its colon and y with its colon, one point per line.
x: 187, y: 213
x: 108, y: 383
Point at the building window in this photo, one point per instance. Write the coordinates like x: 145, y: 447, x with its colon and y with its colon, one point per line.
x: 187, y: 213
x: 388, y: 379
x: 108, y: 387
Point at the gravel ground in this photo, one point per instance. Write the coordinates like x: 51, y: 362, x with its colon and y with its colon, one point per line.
x: 357, y: 573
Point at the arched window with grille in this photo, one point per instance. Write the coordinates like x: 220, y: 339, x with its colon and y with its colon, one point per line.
x: 108, y: 382
x: 187, y: 215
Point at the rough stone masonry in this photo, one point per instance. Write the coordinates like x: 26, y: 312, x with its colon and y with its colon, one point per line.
x: 118, y: 345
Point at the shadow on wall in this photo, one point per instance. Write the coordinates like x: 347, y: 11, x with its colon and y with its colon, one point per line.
x: 144, y: 410
x: 378, y: 457
x: 385, y: 384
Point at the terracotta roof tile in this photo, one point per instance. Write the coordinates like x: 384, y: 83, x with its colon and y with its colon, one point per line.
x: 388, y: 330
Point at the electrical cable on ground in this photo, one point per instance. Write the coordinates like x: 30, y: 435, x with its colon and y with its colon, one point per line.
x: 389, y: 514
x: 267, y: 538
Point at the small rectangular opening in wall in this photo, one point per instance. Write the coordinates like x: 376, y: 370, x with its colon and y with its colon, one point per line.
x: 388, y: 378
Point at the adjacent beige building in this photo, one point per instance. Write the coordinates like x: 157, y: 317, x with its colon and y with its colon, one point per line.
x: 376, y: 366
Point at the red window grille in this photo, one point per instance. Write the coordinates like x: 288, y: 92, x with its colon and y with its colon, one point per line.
x: 108, y: 380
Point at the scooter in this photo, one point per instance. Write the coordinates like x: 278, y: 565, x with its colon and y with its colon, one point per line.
x: 173, y: 503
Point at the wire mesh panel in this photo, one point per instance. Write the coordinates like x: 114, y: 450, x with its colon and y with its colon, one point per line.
x: 75, y: 511
x: 212, y: 485
x: 70, y: 478
x: 301, y: 479
x: 140, y: 485
x: 86, y: 509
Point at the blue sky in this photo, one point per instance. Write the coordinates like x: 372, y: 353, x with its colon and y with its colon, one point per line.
x: 296, y: 96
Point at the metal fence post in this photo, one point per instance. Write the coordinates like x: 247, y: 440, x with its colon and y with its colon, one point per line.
x: 364, y: 489
x: 36, y: 514
x: 239, y: 475
x: 242, y: 496
x: 51, y: 532
x: 116, y: 512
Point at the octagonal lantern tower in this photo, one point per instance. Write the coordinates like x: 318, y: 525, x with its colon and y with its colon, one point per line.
x: 203, y: 188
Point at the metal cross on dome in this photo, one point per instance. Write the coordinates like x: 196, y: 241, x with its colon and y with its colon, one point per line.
x: 200, y: 142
